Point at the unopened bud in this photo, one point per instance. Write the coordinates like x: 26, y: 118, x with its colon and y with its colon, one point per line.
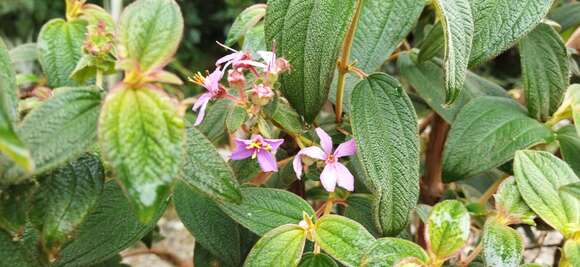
x: 236, y: 79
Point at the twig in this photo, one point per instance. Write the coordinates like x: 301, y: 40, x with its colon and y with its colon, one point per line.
x: 431, y: 183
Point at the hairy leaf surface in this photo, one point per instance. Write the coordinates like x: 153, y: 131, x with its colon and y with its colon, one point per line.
x: 447, y: 228
x: 502, y: 245
x: 282, y: 247
x: 244, y: 22
x: 388, y: 251
x: 317, y: 260
x: 570, y: 146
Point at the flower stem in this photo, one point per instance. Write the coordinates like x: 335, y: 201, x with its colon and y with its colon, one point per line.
x: 343, y: 65
x: 99, y: 81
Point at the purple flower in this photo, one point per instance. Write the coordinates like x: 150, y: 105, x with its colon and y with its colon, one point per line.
x: 334, y: 172
x: 258, y: 147
x: 238, y: 59
x: 273, y: 64
x: 214, y: 90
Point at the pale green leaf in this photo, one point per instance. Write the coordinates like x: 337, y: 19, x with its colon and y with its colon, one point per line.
x: 485, y: 134
x: 539, y: 175
x: 309, y: 34
x: 141, y: 136
x: 384, y: 125
x: 509, y: 201
x: 343, y: 239
x: 447, y: 229
x: 571, y: 251
x: 281, y: 247
x: 545, y: 71
x: 572, y: 189
x: 150, y: 32
x: 386, y: 252
x: 24, y: 53
x: 502, y: 245
x: 244, y: 22
x: 457, y: 22
x: 263, y: 209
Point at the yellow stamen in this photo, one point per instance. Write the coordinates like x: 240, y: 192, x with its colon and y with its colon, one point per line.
x: 198, y: 79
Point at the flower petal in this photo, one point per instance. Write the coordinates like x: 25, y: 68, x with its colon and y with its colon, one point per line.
x: 203, y: 100
x: 346, y: 149
x: 227, y: 58
x: 311, y: 152
x: 343, y: 177
x: 241, y: 153
x: 328, y: 177
x: 297, y: 165
x: 325, y: 140
x: 267, y: 161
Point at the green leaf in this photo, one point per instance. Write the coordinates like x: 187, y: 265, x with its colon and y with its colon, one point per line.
x: 284, y: 116
x: 13, y: 253
x: 214, y: 122
x: 572, y: 189
x: 389, y: 251
x: 317, y: 260
x: 427, y: 79
x: 282, y: 179
x: 382, y: 26
x: 457, y: 23
x: 59, y: 49
x: 384, y: 125
x: 141, y: 136
x: 309, y: 34
x: 205, y: 170
x: 202, y: 257
x: 570, y: 146
x: 237, y: 115
x: 8, y: 87
x: 282, y: 247
x: 545, y: 71
x: 64, y: 199
x: 486, y: 134
x: 539, y: 175
x: 14, y: 206
x: 567, y: 15
x: 263, y: 209
x: 499, y: 24
x: 255, y: 40
x: 210, y: 226
x: 509, y: 202
x: 502, y: 245
x: 447, y: 229
x: 433, y: 44
x: 244, y: 22
x: 360, y: 208
x: 343, y: 239
x: 24, y: 53
x: 12, y: 146
x: 63, y: 127
x: 150, y: 32
x: 571, y: 251
x: 110, y: 228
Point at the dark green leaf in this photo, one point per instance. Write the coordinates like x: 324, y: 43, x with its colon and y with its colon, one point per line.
x: 263, y: 209
x: 457, y: 22
x: 343, y: 239
x: 65, y: 198
x: 282, y: 179
x: 427, y: 79
x: 567, y: 15
x: 205, y: 170
x: 486, y: 134
x: 499, y: 24
x: 150, y: 32
x: 360, y: 208
x: 545, y: 71
x: 141, y: 136
x: 433, y: 44
x: 59, y: 49
x: 202, y: 257
x: 255, y: 40
x: 244, y: 22
x: 284, y: 116
x: 447, y: 229
x: 317, y: 260
x: 309, y: 34
x: 237, y: 115
x: 386, y: 252
x: 14, y: 206
x: 111, y: 227
x: 385, y: 129
x: 8, y: 87
x: 13, y: 253
x: 570, y: 146
x: 281, y: 247
x: 502, y: 245
x: 539, y: 175
x: 214, y: 122
x: 210, y: 226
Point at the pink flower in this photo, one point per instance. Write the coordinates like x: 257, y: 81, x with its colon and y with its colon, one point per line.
x: 214, y: 90
x: 334, y: 172
x: 258, y: 147
x: 263, y: 91
x: 273, y: 64
x: 238, y: 59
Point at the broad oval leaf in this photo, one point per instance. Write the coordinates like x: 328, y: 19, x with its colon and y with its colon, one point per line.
x: 244, y: 22
x: 539, y: 175
x: 343, y: 238
x: 447, y: 229
x: 499, y: 24
x: 210, y: 226
x: 384, y: 125
x: 386, y: 252
x: 14, y: 253
x: 309, y: 34
x: 64, y: 199
x: 567, y: 15
x: 141, y: 136
x: 545, y: 71
x: 509, y: 203
x: 263, y: 209
x: 205, y: 170
x: 59, y: 50
x: 381, y: 28
x: 570, y: 146
x: 317, y: 260
x: 502, y: 245
x: 486, y: 133
x: 457, y: 22
x: 360, y: 208
x: 571, y: 251
x: 282, y: 247
x: 150, y: 32
x: 111, y: 227
x: 427, y: 79
x: 572, y: 189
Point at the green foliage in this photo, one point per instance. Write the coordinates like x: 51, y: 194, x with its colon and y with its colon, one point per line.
x: 317, y: 260
x: 282, y: 246
x: 509, y: 202
x: 244, y: 22
x: 13, y: 253
x: 447, y: 229
x: 391, y: 251
x: 570, y: 147
x: 502, y: 246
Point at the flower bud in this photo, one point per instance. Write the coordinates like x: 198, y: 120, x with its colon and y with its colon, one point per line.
x: 236, y: 79
x: 262, y: 94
